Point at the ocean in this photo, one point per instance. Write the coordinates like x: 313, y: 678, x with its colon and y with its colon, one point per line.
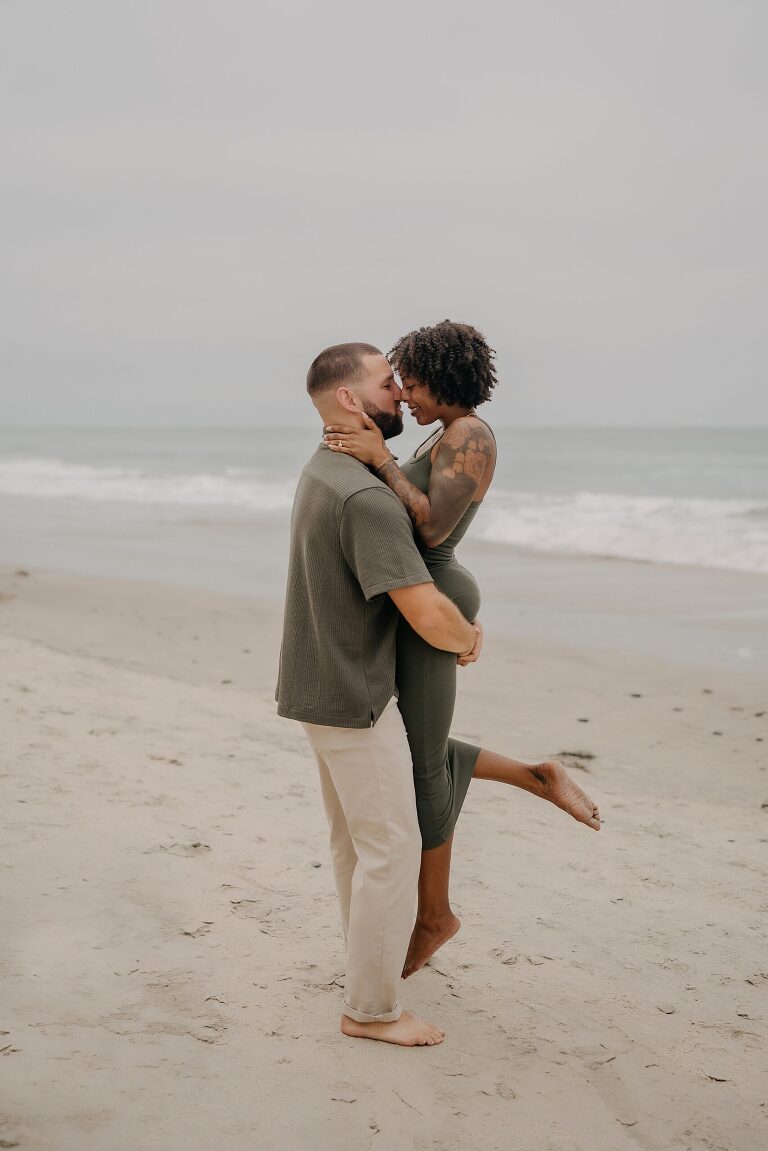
x: 651, y: 541
x: 663, y: 496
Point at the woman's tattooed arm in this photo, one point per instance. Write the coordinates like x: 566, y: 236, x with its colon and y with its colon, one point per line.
x: 414, y: 500
x: 465, y: 451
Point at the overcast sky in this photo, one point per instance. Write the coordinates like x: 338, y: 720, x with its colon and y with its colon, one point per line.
x: 198, y: 197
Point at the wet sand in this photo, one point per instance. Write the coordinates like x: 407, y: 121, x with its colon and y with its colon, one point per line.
x: 171, y: 957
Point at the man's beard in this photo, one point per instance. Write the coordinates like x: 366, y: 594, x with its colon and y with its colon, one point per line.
x: 389, y: 423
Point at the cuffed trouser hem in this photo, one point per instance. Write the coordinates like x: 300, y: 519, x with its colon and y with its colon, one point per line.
x: 362, y: 1017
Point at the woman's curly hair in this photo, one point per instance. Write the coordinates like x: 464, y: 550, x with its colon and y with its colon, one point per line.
x: 452, y: 360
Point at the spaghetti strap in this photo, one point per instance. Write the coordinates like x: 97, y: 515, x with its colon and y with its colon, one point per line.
x: 439, y: 432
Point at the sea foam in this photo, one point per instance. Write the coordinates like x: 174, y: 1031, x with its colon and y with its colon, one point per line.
x: 721, y: 533
x: 703, y: 532
x: 234, y: 488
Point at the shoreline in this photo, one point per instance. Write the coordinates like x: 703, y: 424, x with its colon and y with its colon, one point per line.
x: 174, y: 943
x: 715, y: 617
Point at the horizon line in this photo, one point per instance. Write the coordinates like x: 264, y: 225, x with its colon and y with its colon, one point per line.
x: 168, y: 426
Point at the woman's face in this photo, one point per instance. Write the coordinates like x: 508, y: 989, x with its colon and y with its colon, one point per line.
x: 421, y: 403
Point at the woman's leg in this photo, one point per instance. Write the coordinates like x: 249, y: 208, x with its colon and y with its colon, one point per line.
x: 435, y: 920
x: 548, y: 780
x: 442, y: 770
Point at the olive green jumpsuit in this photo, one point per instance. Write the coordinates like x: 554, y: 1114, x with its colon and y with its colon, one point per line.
x: 426, y: 681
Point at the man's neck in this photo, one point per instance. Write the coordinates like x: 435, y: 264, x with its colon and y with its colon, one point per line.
x: 339, y: 417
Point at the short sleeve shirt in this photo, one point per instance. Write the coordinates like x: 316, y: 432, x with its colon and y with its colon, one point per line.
x: 351, y: 544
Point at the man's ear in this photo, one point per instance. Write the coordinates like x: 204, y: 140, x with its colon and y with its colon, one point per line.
x: 348, y: 400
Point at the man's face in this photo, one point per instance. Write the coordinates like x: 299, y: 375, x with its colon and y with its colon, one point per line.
x: 379, y: 395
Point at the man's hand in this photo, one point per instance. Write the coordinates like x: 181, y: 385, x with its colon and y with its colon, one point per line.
x: 365, y: 444
x: 474, y: 655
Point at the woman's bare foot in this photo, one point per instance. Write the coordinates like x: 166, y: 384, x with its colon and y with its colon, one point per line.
x: 427, y: 938
x: 408, y: 1031
x: 555, y: 784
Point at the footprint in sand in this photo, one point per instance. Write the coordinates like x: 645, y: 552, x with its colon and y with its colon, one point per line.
x: 196, y: 848
x: 605, y: 1079
x: 258, y: 909
x: 509, y: 959
x: 203, y: 929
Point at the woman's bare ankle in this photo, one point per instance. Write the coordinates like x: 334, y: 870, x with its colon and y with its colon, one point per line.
x: 433, y: 918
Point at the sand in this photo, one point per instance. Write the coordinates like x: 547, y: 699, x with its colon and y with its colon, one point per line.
x: 171, y: 957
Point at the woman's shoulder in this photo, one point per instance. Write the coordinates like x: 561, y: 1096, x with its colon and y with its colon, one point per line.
x: 472, y: 432
x: 468, y: 448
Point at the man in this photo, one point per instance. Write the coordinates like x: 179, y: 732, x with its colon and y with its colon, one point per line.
x: 353, y: 566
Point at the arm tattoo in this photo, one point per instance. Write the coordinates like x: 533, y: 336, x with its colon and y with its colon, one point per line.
x: 462, y: 457
x: 413, y: 498
x: 465, y: 451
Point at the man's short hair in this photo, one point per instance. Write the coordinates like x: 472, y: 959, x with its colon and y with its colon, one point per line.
x: 338, y: 366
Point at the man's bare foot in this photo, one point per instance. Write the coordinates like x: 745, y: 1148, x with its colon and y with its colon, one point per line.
x: 427, y: 938
x: 555, y: 784
x: 408, y: 1031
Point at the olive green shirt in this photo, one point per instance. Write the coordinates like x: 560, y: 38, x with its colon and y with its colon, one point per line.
x: 351, y: 543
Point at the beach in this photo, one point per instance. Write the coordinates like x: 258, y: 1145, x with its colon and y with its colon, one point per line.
x: 225, y: 238
x: 172, y: 956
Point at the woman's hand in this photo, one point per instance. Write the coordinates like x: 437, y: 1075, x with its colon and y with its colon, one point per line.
x: 365, y: 444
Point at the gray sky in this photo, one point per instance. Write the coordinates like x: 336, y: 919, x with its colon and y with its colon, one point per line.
x: 197, y: 197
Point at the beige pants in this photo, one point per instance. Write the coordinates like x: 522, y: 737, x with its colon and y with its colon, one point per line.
x: 366, y: 777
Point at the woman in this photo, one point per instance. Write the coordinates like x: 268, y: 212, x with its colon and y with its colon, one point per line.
x: 446, y: 371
